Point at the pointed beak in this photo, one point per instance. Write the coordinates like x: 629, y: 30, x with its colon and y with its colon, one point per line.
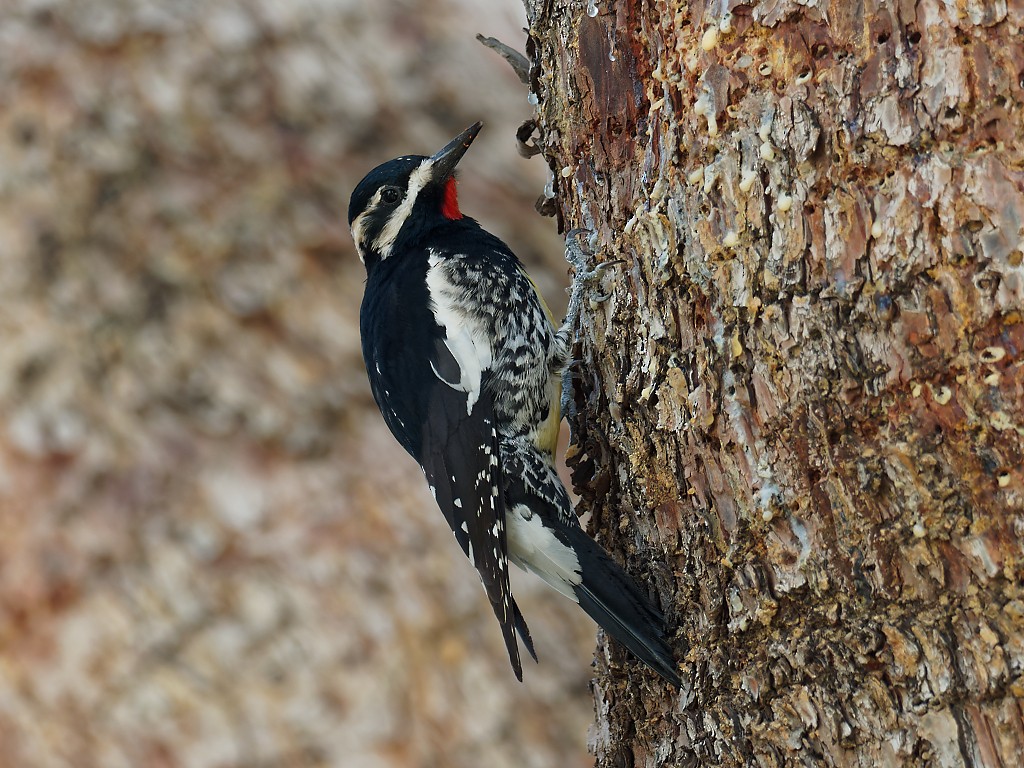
x: 443, y: 163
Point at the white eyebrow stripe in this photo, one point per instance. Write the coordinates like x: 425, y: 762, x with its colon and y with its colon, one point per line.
x: 417, y: 181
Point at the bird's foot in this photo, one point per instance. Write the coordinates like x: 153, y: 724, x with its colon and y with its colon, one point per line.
x: 585, y: 277
x: 568, y: 400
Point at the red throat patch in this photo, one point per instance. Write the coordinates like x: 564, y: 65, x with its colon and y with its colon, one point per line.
x: 450, y: 206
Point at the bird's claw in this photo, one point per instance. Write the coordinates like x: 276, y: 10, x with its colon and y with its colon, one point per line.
x: 585, y: 278
x: 567, y: 401
x: 593, y: 276
x: 580, y: 257
x: 575, y: 252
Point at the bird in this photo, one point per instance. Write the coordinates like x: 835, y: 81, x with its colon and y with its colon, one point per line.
x: 466, y: 366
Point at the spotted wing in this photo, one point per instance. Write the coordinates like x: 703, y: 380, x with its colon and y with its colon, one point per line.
x: 460, y: 461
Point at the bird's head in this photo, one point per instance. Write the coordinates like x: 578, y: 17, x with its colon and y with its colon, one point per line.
x: 398, y: 202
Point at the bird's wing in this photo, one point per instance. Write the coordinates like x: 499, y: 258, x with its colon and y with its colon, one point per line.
x: 460, y: 459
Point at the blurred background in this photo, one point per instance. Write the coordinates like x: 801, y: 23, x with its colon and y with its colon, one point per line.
x: 212, y: 552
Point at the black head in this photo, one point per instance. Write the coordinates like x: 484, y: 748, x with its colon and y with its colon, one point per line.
x: 400, y: 201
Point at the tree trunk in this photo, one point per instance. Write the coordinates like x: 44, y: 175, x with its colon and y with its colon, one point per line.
x: 801, y: 405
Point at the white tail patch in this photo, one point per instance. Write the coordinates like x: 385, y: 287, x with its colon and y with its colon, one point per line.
x: 534, y: 547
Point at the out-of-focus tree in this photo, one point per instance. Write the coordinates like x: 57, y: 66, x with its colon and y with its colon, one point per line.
x: 212, y: 552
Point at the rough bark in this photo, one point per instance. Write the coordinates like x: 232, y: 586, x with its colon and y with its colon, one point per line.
x: 212, y: 552
x: 801, y: 406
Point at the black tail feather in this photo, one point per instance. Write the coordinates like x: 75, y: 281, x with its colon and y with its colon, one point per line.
x: 509, y: 630
x: 524, y: 631
x: 612, y: 598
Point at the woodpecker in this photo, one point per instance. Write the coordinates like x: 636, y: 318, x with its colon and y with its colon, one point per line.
x: 466, y: 367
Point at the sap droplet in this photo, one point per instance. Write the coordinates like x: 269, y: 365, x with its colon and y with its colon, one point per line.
x: 992, y: 354
x: 709, y: 39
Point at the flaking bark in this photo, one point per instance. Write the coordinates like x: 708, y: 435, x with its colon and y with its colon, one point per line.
x: 801, y: 407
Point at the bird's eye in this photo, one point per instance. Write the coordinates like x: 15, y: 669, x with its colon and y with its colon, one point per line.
x: 390, y: 195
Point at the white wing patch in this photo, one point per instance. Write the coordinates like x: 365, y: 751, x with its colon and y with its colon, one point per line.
x: 465, y: 335
x: 534, y: 547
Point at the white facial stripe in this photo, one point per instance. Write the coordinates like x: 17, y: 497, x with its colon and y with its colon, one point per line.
x: 466, y: 338
x: 417, y: 181
x: 360, y: 221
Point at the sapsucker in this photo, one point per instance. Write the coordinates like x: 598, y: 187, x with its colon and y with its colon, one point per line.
x: 466, y: 368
